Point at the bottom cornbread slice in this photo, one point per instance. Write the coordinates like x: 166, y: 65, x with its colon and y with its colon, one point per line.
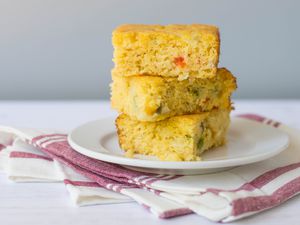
x: 179, y: 138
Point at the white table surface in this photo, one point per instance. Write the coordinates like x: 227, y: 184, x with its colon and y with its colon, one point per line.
x: 40, y: 203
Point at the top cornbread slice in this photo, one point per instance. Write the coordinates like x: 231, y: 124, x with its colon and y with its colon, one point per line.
x: 170, y: 51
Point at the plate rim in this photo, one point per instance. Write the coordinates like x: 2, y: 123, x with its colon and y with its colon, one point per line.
x: 175, y: 165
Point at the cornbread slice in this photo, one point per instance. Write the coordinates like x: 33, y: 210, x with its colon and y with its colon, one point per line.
x: 149, y: 98
x: 171, y: 51
x: 179, y: 138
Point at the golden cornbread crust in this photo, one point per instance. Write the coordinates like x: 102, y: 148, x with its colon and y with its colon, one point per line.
x: 173, y: 50
x: 179, y: 138
x: 176, y: 29
x: 154, y: 98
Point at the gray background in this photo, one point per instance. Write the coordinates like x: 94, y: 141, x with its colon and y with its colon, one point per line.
x: 61, y: 49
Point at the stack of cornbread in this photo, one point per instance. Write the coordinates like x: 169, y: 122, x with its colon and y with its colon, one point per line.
x: 173, y: 99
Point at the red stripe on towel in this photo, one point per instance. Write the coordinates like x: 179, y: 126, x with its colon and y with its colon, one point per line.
x: 170, y: 213
x: 81, y: 183
x: 175, y: 212
x: 253, y: 117
x: 260, y: 119
x: 261, y: 180
x: 2, y: 146
x: 28, y: 155
x: 259, y: 203
x: 269, y: 176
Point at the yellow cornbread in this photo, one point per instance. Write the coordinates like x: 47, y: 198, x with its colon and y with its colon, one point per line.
x: 179, y: 138
x: 149, y: 98
x: 170, y: 51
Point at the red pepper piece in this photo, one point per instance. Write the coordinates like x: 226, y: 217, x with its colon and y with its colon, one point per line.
x: 179, y: 61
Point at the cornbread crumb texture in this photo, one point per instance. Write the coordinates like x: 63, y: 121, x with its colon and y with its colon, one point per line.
x: 174, y: 50
x: 149, y: 98
x: 179, y: 138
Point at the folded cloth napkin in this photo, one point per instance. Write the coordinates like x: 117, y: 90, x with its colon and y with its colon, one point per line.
x: 29, y: 155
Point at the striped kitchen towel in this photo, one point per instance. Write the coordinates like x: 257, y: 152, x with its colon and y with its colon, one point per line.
x: 36, y: 156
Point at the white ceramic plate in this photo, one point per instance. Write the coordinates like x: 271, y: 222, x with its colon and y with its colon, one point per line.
x: 248, y: 142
